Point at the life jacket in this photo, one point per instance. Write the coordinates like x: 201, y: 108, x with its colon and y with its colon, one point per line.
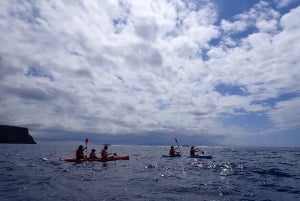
x: 79, y: 154
x: 192, y: 152
x: 93, y: 155
x: 172, y: 152
x: 104, y: 153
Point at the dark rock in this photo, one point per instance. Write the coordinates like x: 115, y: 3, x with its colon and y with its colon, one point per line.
x: 15, y: 134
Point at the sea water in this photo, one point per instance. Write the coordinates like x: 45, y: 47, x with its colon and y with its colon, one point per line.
x: 34, y: 172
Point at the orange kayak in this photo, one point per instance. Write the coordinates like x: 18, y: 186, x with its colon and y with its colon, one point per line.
x: 110, y: 158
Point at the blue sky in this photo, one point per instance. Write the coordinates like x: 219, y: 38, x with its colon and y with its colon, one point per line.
x: 207, y: 72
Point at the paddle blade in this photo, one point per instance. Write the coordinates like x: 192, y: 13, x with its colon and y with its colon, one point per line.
x: 86, y: 140
x: 175, y: 140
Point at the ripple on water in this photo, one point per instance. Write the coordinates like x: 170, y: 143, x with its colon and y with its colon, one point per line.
x: 273, y: 172
x: 153, y: 165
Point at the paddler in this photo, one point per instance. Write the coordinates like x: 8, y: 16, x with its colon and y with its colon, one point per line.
x: 193, y: 151
x: 79, y: 152
x: 173, y: 151
x: 93, y: 154
x: 104, y: 153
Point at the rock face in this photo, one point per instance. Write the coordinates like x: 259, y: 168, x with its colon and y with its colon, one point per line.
x: 14, y: 134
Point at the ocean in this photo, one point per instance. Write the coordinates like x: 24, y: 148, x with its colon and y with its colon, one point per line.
x: 34, y: 172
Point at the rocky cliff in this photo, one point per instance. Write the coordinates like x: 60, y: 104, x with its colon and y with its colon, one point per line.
x: 14, y: 134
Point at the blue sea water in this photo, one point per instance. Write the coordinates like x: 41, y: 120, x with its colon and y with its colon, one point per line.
x: 34, y: 172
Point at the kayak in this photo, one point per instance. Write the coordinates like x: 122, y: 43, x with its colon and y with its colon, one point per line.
x: 201, y: 156
x: 177, y: 155
x: 110, y: 158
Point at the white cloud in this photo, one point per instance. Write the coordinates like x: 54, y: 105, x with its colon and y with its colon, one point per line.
x: 284, y: 3
x: 236, y: 26
x: 267, y: 25
x: 261, y: 16
x: 286, y: 114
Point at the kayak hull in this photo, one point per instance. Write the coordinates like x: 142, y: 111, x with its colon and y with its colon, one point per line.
x: 201, y: 156
x: 168, y: 156
x: 110, y: 158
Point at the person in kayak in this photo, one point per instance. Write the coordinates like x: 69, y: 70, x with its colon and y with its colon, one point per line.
x: 93, y: 154
x: 173, y: 151
x: 79, y: 152
x: 105, y: 154
x: 193, y: 151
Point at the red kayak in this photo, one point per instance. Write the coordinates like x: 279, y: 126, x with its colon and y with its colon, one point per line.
x: 110, y: 158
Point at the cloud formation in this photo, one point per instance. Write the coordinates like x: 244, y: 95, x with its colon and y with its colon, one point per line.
x: 130, y: 67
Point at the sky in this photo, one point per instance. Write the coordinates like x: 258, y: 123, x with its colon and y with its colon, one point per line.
x: 144, y: 72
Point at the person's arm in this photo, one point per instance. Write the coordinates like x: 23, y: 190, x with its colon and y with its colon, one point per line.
x: 199, y: 150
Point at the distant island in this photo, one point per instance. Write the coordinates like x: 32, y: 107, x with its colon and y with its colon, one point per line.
x: 15, y: 135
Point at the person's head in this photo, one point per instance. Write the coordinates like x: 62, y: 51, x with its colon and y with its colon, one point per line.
x: 105, y: 146
x: 192, y: 147
x: 80, y: 147
x: 172, y: 147
x: 93, y: 150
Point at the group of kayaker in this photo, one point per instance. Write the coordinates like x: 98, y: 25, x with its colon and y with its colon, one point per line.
x: 176, y: 151
x: 104, y: 153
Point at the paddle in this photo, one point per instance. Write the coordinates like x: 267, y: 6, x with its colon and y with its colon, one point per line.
x: 177, y: 144
x: 200, y: 150
x: 86, y: 142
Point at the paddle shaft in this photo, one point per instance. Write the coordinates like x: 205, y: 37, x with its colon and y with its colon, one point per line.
x: 86, y: 151
x: 177, y: 145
